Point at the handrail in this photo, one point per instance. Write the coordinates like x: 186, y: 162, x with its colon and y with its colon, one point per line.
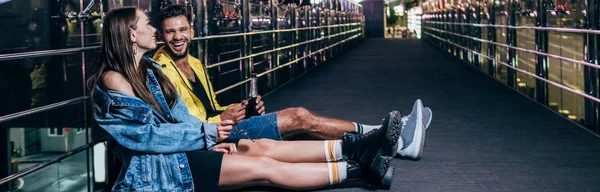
x: 48, y: 162
x: 280, y: 66
x: 277, y: 49
x: 55, y: 52
x: 43, y: 108
x: 588, y: 64
x: 565, y: 30
x: 521, y: 70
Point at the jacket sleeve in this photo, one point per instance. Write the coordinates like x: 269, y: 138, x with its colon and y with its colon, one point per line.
x: 138, y: 132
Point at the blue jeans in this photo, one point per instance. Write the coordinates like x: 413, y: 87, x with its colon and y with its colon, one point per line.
x: 257, y: 127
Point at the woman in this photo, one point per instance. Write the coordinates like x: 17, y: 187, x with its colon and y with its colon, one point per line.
x: 163, y: 148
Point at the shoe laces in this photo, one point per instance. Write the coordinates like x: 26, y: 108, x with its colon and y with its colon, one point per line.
x: 405, y: 120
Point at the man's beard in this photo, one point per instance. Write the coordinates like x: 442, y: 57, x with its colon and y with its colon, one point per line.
x: 175, y: 56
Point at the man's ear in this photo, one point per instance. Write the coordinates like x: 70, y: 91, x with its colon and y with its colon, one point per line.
x: 132, y: 35
x: 192, y: 30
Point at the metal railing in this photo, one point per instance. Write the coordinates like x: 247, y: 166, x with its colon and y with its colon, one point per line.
x: 53, y: 160
x: 33, y: 54
x: 574, y: 91
x: 464, y: 30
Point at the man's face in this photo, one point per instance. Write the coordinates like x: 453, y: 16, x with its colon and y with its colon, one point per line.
x: 177, y: 33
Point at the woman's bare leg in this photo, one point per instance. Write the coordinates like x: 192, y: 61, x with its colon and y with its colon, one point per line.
x: 285, y: 151
x: 239, y: 171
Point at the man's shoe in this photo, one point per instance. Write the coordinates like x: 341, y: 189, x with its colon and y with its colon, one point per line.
x: 410, y: 145
x: 427, y: 116
x: 365, y: 148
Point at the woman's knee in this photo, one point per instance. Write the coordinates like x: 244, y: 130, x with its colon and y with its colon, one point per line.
x: 266, y: 146
x: 267, y: 168
x: 240, y: 170
x: 260, y: 147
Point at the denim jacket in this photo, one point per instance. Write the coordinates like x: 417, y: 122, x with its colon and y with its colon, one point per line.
x: 149, y: 145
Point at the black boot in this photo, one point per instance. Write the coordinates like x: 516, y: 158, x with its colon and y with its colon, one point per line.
x: 364, y: 148
x: 355, y: 172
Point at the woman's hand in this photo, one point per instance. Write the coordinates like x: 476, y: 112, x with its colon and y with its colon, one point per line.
x: 224, y: 129
x: 227, y: 148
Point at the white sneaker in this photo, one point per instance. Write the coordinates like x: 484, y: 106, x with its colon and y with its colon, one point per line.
x: 410, y: 144
x: 427, y: 116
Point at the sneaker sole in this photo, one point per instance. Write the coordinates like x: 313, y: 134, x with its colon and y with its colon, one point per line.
x: 415, y: 150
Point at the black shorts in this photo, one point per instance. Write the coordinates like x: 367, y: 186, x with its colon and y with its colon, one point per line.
x: 206, y: 167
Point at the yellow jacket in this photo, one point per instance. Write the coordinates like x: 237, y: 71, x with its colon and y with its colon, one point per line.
x: 183, y: 85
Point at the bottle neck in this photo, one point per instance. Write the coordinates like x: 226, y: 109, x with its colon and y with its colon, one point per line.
x: 253, y: 88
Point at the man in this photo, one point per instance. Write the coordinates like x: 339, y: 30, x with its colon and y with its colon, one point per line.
x: 191, y: 81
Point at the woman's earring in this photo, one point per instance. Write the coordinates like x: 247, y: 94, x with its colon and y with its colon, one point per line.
x: 135, y: 47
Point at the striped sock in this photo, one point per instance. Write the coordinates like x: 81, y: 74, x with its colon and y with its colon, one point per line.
x: 362, y: 128
x: 333, y: 150
x: 337, y: 172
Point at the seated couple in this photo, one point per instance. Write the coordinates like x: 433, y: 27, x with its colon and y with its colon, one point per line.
x: 166, y: 147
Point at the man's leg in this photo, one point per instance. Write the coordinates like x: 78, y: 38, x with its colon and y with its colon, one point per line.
x: 292, y: 121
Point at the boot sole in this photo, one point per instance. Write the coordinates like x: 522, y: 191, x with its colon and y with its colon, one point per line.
x: 393, y: 132
x: 385, y: 173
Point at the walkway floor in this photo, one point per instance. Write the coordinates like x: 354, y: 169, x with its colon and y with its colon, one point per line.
x: 484, y: 136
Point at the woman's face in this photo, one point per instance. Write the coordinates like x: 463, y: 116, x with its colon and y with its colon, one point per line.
x: 145, y: 35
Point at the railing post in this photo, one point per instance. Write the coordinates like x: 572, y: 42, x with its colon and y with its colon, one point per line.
x: 469, y: 30
x: 5, y: 166
x: 477, y: 30
x: 454, y: 20
x: 591, y: 43
x: 541, y: 44
x: 462, y: 14
x: 447, y: 27
x: 246, y: 67
x: 511, y: 39
x: 274, y: 41
x: 202, y: 30
x: 491, y: 52
x: 294, y: 38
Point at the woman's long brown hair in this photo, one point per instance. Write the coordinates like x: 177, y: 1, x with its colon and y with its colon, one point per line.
x: 116, y: 54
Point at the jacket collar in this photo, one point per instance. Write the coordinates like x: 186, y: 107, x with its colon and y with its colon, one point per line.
x: 104, y: 99
x: 167, y: 62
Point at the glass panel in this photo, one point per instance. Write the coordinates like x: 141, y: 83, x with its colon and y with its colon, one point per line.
x: 501, y: 51
x: 45, y: 179
x: 526, y: 40
x: 260, y: 14
x: 284, y: 16
x: 29, y: 26
x: 484, y: 35
x: 70, y: 174
x: 34, y: 82
x: 226, y: 20
x: 570, y: 45
x: 73, y: 175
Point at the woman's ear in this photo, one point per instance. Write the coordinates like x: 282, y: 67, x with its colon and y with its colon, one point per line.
x: 132, y: 35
